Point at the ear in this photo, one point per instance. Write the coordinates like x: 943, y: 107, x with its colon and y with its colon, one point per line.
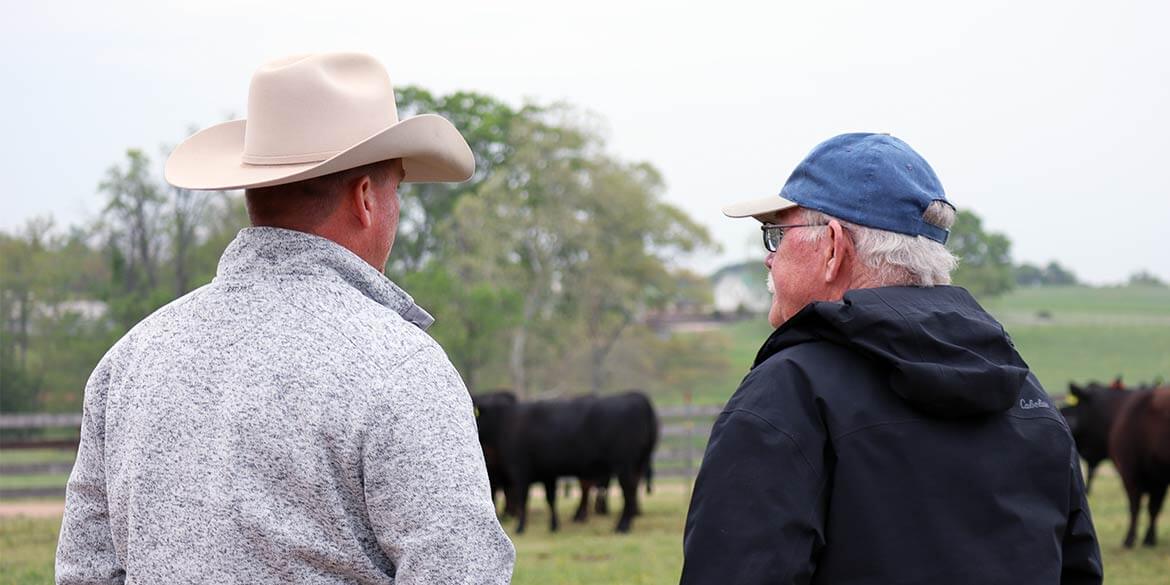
x: 838, y: 251
x: 361, y: 200
x: 1076, y: 390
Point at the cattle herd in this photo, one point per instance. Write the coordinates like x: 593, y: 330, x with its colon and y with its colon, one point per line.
x: 595, y: 439
x: 1131, y: 427
x: 591, y: 438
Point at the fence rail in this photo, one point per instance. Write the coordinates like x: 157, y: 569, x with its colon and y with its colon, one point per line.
x: 36, y: 468
x: 684, y: 429
x: 18, y: 493
x: 39, y: 421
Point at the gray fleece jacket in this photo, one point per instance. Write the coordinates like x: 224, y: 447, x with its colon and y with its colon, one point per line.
x: 291, y: 422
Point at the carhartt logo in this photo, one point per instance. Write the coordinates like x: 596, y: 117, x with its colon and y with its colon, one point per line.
x: 1030, y: 404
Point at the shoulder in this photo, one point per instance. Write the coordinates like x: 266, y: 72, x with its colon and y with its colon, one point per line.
x: 167, y: 319
x: 804, y: 368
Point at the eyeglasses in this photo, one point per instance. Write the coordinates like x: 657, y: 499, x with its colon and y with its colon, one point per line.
x: 774, y: 233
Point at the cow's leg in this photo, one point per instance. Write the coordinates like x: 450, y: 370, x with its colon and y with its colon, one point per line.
x: 519, y: 493
x: 583, y: 508
x: 601, y: 505
x: 1090, y: 470
x: 1135, y: 506
x: 1157, y: 495
x: 629, y: 482
x: 550, y: 494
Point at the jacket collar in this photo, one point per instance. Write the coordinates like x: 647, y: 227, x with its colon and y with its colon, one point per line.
x: 258, y: 253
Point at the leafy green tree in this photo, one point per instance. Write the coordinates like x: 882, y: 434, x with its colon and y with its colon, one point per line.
x: 518, y: 228
x: 985, y: 263
x: 472, y: 318
x: 486, y: 123
x: 629, y: 239
x: 53, y: 332
x: 134, y: 231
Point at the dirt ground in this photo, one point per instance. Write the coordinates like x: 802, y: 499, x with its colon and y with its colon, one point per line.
x: 32, y: 509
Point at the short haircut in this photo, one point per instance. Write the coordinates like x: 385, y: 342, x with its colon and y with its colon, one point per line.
x: 312, y: 200
x: 898, y: 259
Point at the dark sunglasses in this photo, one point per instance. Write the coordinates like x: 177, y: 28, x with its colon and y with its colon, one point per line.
x: 774, y: 233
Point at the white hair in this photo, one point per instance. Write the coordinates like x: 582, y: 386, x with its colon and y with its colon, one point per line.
x: 897, y: 259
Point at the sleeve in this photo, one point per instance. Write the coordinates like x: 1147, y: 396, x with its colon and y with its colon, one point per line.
x: 757, y: 513
x: 1081, y: 554
x: 426, y: 485
x: 85, y: 549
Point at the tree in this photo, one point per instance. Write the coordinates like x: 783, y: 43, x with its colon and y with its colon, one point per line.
x: 1057, y: 275
x: 471, y: 317
x: 581, y: 242
x: 1051, y: 275
x: 485, y: 122
x: 1145, y: 278
x: 1028, y: 275
x: 134, y: 231
x: 50, y: 338
x: 985, y: 263
x: 187, y: 212
x: 517, y: 230
x: 623, y: 269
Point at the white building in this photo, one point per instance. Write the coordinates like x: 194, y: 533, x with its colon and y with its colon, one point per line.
x: 741, y: 288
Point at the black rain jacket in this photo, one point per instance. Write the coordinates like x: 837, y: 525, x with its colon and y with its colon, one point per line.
x: 893, y: 437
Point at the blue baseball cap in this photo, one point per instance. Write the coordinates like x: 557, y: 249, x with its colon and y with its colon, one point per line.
x: 874, y: 180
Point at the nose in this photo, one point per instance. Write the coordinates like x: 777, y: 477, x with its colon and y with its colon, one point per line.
x: 768, y: 259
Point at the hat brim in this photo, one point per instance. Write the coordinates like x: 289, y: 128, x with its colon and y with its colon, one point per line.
x: 431, y: 149
x: 761, y: 208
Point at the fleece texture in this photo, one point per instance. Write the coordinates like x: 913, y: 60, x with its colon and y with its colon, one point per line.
x: 290, y: 422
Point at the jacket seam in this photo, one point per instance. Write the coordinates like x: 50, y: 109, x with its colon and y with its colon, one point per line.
x: 333, y: 327
x: 875, y: 425
x: 790, y: 438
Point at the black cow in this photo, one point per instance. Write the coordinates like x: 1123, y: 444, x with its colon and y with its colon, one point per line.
x: 586, y: 437
x: 1091, y: 418
x: 1139, y: 444
x: 490, y: 433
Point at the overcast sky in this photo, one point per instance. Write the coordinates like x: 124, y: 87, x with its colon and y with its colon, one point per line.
x: 1048, y: 119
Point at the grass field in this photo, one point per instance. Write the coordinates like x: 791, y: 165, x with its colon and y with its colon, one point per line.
x: 592, y: 554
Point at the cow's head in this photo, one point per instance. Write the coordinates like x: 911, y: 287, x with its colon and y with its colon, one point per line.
x: 1089, y: 411
x: 492, y: 412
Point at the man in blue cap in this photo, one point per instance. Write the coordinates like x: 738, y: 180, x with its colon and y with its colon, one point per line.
x: 888, y: 431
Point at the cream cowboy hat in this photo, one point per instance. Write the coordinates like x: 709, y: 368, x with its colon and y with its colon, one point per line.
x: 312, y: 115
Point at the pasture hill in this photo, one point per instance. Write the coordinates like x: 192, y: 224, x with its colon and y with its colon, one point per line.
x: 1064, y: 333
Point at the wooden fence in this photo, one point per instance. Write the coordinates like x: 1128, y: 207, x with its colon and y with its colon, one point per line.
x: 685, y: 429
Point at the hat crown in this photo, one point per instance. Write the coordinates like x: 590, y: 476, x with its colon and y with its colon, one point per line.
x: 307, y: 108
x: 874, y: 180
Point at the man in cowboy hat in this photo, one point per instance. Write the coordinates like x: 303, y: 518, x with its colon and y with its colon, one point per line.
x: 888, y: 431
x: 291, y: 422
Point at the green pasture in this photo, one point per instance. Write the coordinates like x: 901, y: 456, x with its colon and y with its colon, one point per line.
x: 1064, y: 333
x: 592, y: 554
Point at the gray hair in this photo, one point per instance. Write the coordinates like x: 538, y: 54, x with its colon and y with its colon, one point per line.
x: 897, y: 259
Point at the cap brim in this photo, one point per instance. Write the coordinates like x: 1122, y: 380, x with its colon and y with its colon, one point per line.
x: 431, y: 149
x: 758, y: 208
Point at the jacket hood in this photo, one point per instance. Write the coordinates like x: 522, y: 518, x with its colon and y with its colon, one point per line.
x: 944, y: 354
